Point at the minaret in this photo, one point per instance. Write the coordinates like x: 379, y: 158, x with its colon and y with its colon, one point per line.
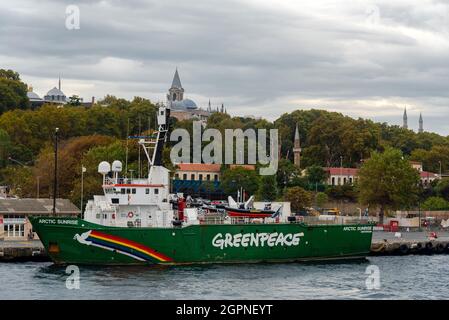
x: 421, y: 127
x: 297, y: 149
x: 209, y: 108
x: 176, y: 92
x: 59, y: 83
x: 404, y: 119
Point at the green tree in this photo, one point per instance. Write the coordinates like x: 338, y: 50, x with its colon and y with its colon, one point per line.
x: 321, y: 199
x: 316, y: 174
x: 435, y: 203
x: 13, y: 92
x: 388, y: 181
x: 268, y: 189
x: 298, y: 198
x: 5, y: 147
x: 74, y: 101
x: 286, y: 173
x: 239, y: 177
x: 442, y: 188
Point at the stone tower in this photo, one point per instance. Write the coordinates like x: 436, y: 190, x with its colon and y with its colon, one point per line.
x: 404, y: 119
x: 176, y: 92
x: 297, y: 149
x: 421, y: 124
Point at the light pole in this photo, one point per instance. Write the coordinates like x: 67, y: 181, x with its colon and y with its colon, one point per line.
x: 55, y: 177
x: 17, y: 161
x: 37, y: 186
x: 83, y: 169
x: 341, y: 169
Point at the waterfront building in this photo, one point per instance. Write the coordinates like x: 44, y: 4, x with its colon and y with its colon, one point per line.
x: 198, y: 172
x: 14, y: 213
x: 341, y: 176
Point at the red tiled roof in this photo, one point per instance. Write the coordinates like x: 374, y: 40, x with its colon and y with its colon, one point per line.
x: 427, y: 174
x: 342, y: 171
x: 208, y: 167
x: 244, y: 166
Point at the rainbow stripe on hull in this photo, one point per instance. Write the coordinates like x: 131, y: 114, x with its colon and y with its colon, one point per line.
x: 124, y: 246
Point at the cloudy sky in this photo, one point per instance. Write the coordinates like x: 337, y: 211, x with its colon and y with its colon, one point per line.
x: 258, y: 57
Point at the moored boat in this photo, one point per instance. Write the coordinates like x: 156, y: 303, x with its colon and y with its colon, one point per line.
x: 134, y: 222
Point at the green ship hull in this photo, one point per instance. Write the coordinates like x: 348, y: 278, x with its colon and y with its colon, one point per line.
x: 76, y: 241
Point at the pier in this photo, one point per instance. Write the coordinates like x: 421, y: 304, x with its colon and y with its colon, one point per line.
x: 414, y: 242
x: 22, y: 251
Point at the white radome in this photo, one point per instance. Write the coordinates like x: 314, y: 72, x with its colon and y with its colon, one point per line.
x: 117, y: 166
x: 104, y: 167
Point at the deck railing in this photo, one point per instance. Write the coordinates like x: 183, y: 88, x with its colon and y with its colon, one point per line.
x: 308, y: 220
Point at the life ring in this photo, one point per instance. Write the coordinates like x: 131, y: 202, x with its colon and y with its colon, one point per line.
x: 130, y: 214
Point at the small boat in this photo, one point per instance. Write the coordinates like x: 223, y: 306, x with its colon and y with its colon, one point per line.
x: 249, y: 213
x: 247, y: 210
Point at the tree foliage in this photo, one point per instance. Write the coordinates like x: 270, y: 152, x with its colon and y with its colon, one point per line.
x: 298, y: 198
x: 234, y: 179
x: 435, y: 203
x: 268, y: 188
x: 13, y: 92
x: 388, y: 180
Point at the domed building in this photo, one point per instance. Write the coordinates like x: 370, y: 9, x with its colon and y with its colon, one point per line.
x: 175, y: 96
x: 56, y: 95
x: 184, y: 109
x: 34, y: 98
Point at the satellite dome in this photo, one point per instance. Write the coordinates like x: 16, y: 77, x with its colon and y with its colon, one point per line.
x: 104, y: 167
x: 117, y: 166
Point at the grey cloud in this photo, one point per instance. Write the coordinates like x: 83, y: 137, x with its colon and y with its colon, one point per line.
x: 255, y: 57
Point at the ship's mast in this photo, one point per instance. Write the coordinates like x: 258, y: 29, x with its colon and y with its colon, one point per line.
x: 153, y: 146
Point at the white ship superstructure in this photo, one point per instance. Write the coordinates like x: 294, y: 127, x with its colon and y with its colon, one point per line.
x: 136, y: 202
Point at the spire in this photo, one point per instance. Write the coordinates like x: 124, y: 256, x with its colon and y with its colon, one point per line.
x: 209, y: 108
x: 176, y: 83
x: 421, y: 122
x: 59, y: 83
x: 297, y: 149
x: 404, y: 119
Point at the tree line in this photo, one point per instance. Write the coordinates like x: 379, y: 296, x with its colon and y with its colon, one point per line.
x: 93, y: 134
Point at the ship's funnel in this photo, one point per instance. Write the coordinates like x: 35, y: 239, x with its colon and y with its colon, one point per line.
x: 104, y: 167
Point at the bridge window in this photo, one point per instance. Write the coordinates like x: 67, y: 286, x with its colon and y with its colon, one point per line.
x: 156, y: 191
x: 123, y: 191
x: 115, y: 200
x: 147, y: 191
x: 208, y: 177
x: 201, y: 177
x: 134, y: 190
x: 128, y: 191
x: 184, y: 176
x: 192, y: 176
x: 216, y: 177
